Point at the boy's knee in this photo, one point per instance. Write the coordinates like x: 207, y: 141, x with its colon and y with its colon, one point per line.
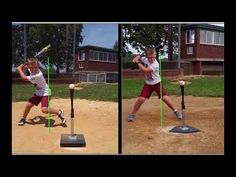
x: 44, y: 110
x: 164, y: 98
x: 141, y: 100
x: 29, y: 105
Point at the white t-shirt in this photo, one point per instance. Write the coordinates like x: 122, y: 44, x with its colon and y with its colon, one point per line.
x: 40, y: 83
x: 153, y: 77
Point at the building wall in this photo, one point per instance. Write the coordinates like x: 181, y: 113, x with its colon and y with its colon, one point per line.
x: 96, y: 66
x: 184, y: 46
x: 89, y: 65
x: 200, y: 50
x: 197, y: 69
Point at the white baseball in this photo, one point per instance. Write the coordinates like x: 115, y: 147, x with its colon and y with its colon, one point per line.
x: 181, y: 82
x: 71, y: 86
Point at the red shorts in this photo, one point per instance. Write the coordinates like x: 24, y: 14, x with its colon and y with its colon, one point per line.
x: 148, y: 89
x: 35, y: 99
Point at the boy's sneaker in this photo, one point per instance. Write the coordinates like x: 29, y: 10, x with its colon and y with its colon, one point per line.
x: 21, y: 121
x: 178, y: 114
x: 62, y: 116
x: 131, y: 117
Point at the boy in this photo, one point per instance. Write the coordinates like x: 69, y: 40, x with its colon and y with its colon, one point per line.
x: 150, y: 67
x: 42, y: 91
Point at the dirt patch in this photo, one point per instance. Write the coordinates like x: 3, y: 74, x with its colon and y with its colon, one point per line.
x: 145, y: 136
x: 96, y: 120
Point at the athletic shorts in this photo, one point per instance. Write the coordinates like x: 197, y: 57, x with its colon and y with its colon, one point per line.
x: 35, y: 99
x: 148, y: 89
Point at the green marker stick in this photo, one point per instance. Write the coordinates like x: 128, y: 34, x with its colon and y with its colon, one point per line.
x: 49, y: 93
x: 161, y: 121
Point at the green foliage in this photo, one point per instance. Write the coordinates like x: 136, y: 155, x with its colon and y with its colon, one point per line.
x: 141, y: 36
x: 40, y: 35
x: 116, y: 46
x: 127, y: 62
x: 209, y: 86
x: 17, y: 44
x: 102, y: 92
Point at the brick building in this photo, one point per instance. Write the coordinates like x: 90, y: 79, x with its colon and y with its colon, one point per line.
x: 96, y: 64
x: 202, y: 46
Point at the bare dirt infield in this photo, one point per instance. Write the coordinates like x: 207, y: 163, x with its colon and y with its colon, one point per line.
x: 145, y: 136
x: 96, y: 120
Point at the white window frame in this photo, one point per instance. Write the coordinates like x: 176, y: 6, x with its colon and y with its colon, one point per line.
x: 192, y: 32
x: 188, y: 51
x: 82, y: 58
x: 213, y: 38
x: 106, y: 60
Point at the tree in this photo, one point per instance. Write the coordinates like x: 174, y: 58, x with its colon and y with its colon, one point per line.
x: 17, y: 44
x: 39, y: 35
x: 115, y: 46
x: 141, y: 36
x: 173, y: 41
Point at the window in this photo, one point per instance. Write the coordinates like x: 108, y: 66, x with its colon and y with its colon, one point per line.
x: 92, y: 77
x: 211, y: 37
x: 93, y: 55
x: 112, y: 57
x: 105, y: 56
x: 102, y: 56
x: 190, y: 37
x: 101, y: 78
x: 222, y: 38
x: 189, y: 50
x: 82, y: 55
x: 216, y: 38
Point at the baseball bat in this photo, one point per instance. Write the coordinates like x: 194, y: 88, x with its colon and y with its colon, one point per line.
x: 43, y: 50
x: 39, y: 53
x: 182, y: 92
x: 71, y: 99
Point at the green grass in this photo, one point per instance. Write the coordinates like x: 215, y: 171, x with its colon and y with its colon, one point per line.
x: 208, y: 86
x: 101, y: 92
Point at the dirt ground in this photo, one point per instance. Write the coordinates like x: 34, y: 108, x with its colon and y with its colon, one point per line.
x: 145, y: 136
x: 96, y: 120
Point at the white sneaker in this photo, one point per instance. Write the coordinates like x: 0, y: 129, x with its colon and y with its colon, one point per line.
x: 178, y: 114
x: 62, y: 116
x: 131, y: 117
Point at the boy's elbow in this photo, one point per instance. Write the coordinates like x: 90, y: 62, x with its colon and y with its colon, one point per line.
x: 146, y: 70
x: 24, y: 78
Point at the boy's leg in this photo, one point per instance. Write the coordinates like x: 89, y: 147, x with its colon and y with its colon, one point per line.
x: 138, y: 104
x: 34, y: 100
x: 167, y: 101
x: 60, y: 113
x: 27, y: 109
x: 136, y: 107
x: 52, y: 110
x: 25, y: 113
x: 144, y: 95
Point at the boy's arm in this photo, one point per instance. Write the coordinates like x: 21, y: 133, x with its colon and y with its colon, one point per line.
x: 20, y: 70
x: 143, y: 68
x: 137, y: 59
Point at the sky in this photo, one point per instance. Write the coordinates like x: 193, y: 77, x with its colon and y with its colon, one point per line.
x: 100, y: 34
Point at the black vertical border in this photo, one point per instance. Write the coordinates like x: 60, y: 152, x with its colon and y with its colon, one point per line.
x: 119, y: 92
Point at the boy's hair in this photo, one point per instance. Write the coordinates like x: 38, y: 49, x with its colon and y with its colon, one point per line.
x: 150, y: 51
x: 32, y: 60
